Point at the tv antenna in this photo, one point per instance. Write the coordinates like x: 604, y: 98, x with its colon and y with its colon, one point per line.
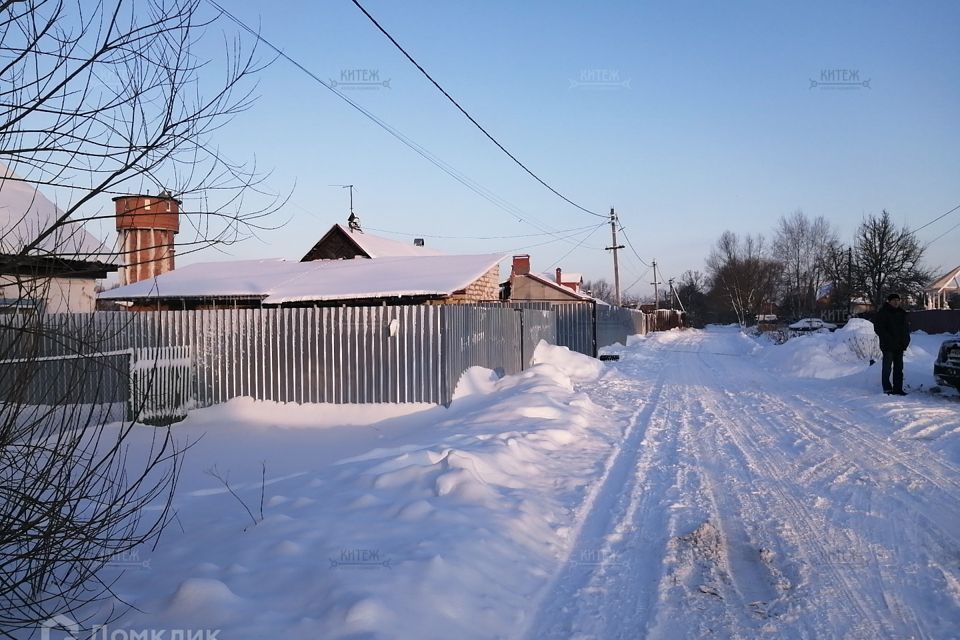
x: 354, y: 220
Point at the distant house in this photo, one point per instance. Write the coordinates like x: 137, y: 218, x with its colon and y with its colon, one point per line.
x: 437, y: 279
x: 572, y: 281
x: 60, y: 273
x: 937, y: 294
x: 341, y: 243
x: 526, y: 286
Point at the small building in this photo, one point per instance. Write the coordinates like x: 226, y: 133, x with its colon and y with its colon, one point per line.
x: 526, y: 286
x: 938, y: 293
x: 57, y: 274
x: 438, y: 279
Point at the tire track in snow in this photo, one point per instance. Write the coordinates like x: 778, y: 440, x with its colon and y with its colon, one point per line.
x: 892, y: 477
x: 935, y: 513
x: 753, y: 583
x: 717, y: 440
x: 842, y: 602
x: 607, y: 585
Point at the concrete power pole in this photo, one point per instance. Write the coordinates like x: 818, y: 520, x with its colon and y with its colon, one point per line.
x: 616, y: 264
x: 656, y: 288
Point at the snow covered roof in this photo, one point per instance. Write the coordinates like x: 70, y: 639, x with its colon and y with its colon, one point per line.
x: 25, y: 213
x: 950, y: 280
x: 281, y: 281
x: 377, y: 247
x: 367, y: 245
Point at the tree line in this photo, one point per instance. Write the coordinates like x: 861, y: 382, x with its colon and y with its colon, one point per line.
x: 804, y: 269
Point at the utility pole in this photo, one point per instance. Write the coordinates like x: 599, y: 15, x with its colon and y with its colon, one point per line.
x: 656, y: 287
x: 849, y: 282
x: 615, y: 247
x: 672, y: 294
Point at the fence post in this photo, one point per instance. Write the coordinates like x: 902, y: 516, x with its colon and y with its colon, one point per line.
x: 593, y: 321
x: 523, y: 362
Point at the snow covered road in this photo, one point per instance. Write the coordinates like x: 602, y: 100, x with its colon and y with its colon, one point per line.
x: 745, y: 502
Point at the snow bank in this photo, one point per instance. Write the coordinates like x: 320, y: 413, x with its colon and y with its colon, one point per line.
x: 377, y: 522
x: 849, y: 351
x: 823, y: 354
x: 475, y: 381
x: 576, y: 366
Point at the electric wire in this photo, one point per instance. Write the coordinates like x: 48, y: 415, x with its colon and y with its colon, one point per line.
x: 523, y: 235
x: 632, y: 284
x: 948, y: 231
x: 576, y: 246
x: 940, y: 217
x: 477, y: 188
x: 527, y: 247
x: 627, y: 238
x: 469, y: 117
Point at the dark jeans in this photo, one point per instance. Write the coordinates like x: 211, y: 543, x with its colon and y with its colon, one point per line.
x: 894, y: 359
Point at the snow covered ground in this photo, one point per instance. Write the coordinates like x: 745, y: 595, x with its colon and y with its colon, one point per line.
x: 707, y: 484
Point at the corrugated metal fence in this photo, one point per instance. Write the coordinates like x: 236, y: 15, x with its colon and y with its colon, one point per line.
x: 171, y: 361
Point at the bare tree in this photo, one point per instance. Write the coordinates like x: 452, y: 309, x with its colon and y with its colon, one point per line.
x: 801, y: 244
x: 691, y: 289
x: 741, y: 276
x: 96, y: 99
x: 600, y: 289
x: 888, y: 259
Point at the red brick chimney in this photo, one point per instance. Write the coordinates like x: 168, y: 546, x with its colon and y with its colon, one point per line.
x: 521, y: 265
x: 147, y: 226
x: 559, y: 280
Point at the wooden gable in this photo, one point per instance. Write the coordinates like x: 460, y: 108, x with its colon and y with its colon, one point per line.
x: 336, y: 244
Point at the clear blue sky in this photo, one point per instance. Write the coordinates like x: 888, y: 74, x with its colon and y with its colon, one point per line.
x: 718, y: 127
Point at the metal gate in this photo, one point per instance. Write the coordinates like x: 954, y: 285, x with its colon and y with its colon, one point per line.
x: 162, y: 384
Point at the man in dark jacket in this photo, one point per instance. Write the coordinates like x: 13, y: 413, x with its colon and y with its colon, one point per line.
x: 891, y: 325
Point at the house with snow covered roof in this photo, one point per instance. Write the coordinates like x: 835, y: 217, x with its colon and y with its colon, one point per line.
x: 526, y: 286
x: 53, y: 273
x: 937, y: 294
x: 436, y: 279
x: 345, y: 267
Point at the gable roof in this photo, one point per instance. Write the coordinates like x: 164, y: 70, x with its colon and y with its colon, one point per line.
x: 950, y: 280
x: 358, y: 243
x: 553, y: 284
x: 25, y: 213
x: 280, y: 281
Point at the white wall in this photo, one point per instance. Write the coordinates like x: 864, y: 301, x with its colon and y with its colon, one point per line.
x: 62, y: 295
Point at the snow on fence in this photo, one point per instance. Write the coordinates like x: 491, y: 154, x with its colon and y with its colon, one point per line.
x: 161, y: 383
x: 166, y: 362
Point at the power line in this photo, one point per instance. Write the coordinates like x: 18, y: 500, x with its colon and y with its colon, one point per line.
x: 576, y: 246
x: 642, y: 276
x: 477, y: 188
x: 527, y: 247
x: 469, y: 117
x: 522, y: 235
x: 951, y: 229
x: 627, y: 238
x: 940, y: 217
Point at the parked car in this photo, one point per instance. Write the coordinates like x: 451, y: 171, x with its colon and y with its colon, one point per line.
x: 812, y: 324
x: 946, y: 368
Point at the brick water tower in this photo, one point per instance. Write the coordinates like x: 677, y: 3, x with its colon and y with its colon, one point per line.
x: 146, y: 226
